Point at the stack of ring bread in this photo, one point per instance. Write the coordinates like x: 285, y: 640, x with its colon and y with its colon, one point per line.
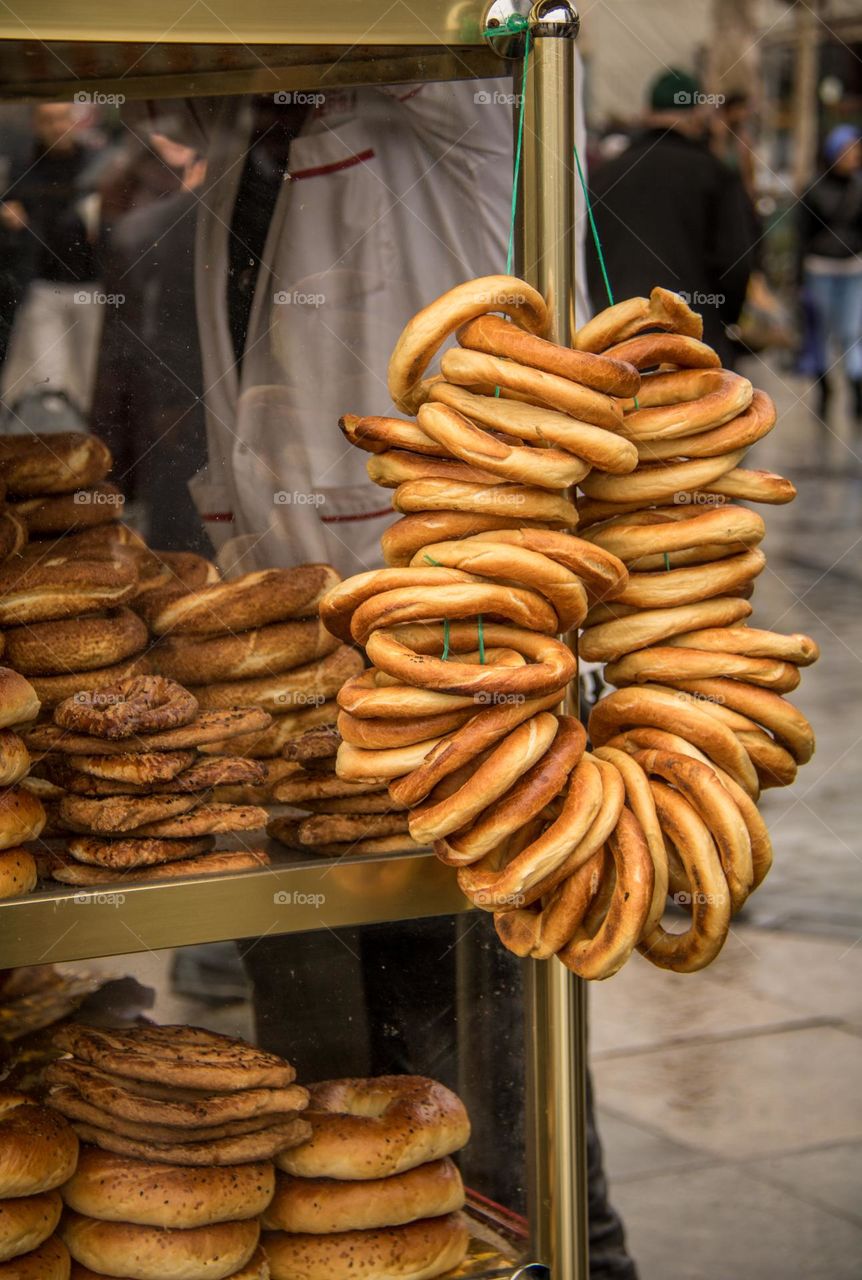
x: 255, y: 641
x: 332, y: 816
x: 573, y: 850
x: 22, y: 816
x: 373, y: 1192
x: 180, y: 1127
x: 131, y: 783
x: 38, y: 1153
x: 65, y: 595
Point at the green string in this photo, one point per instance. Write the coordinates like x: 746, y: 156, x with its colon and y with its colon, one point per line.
x: 481, y: 640
x: 666, y: 561
x: 445, y: 654
x: 519, y: 146
x: 594, y: 229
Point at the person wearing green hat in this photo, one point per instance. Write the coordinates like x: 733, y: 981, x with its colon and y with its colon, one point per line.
x: 670, y: 213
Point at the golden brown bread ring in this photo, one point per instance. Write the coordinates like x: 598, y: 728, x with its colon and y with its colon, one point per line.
x: 495, y: 337
x: 49, y: 1262
x: 254, y: 600
x: 152, y: 1253
x: 516, y: 501
x: 704, y: 790
x: 481, y: 732
x: 603, y: 574
x: 517, y: 605
x: 660, y: 481
x: 691, y: 584
x: 379, y: 435
x: 120, y: 813
x: 387, y: 732
x: 116, y: 1188
x: 340, y: 603
x: 375, y: 768
x: 22, y: 816
x: 422, y: 1249
x: 18, y: 875
x: 642, y: 535
x: 547, y: 468
x: 603, y: 953
x: 639, y: 799
x: 425, y: 333
x: 473, y: 369
x: 269, y: 740
x: 685, y: 402
x: 26, y: 1222
x: 489, y: 781
x: 14, y: 758
x: 750, y: 642
x: 752, y: 486
x: 396, y: 466
x: 709, y: 897
x: 652, y: 349
x: 540, y: 930
x: 70, y: 512
x: 13, y: 535
x: 739, y: 433
x: 44, y: 592
x: 541, y: 426
x: 38, y: 1149
x: 58, y: 462
x: 52, y: 690
x: 122, y: 854
x: 535, y: 789
x: 509, y: 875
x: 142, y: 704
x: 635, y: 629
x: 375, y: 1128
x: 663, y: 708
x: 213, y: 771
x: 646, y: 739
x: 301, y: 687
x: 269, y: 650
x: 775, y: 713
x: 409, y: 654
x: 321, y: 1206
x: 224, y: 862
x: 667, y: 664
x: 513, y: 562
x: 188, y: 569
x: 663, y: 310
x: 74, y: 645
x: 374, y: 695
x: 400, y: 542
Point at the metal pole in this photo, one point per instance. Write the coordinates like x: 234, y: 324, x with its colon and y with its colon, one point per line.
x: 555, y: 999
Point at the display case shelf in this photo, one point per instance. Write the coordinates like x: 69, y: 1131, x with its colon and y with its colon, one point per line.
x: 291, y: 896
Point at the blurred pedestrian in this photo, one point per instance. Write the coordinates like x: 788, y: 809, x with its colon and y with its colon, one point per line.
x: 54, y: 339
x: 830, y: 235
x: 670, y: 213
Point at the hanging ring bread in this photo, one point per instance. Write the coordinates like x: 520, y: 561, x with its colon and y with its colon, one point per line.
x: 653, y: 349
x: 635, y: 629
x: 683, y: 403
x: 143, y: 704
x: 517, y: 605
x: 739, y: 433
x: 666, y: 529
x: 426, y: 332
x: 661, y: 481
x: 540, y: 426
x: 380, y: 435
x: 495, y: 337
x: 514, y: 501
x: 663, y: 310
x: 400, y: 542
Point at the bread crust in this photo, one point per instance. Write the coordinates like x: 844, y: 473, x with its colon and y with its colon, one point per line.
x: 18, y: 874
x: 26, y: 1222
x: 22, y: 817
x: 213, y: 1252
x: 320, y: 1206
x: 255, y: 600
x: 38, y: 1148
x: 50, y: 1261
x: 224, y: 862
x: 262, y: 651
x: 417, y: 1251
x: 208, y: 727
x: 48, y: 591
x: 59, y: 462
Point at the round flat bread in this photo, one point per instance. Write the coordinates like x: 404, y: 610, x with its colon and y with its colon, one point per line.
x: 138, y: 767
x: 226, y: 862
x: 69, y: 1103
x: 112, y: 814
x: 210, y: 726
x: 119, y: 855
x: 250, y: 1146
x: 207, y: 819
x: 150, y: 1103
x: 191, y: 1057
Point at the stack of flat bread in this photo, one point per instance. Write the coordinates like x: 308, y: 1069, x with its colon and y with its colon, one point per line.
x: 180, y: 1128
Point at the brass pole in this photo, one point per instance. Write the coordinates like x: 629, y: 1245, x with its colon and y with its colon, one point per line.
x: 555, y: 999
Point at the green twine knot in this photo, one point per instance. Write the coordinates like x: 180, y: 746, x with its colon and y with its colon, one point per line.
x: 513, y: 26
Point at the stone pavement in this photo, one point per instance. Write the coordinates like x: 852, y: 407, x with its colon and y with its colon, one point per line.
x: 729, y: 1100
